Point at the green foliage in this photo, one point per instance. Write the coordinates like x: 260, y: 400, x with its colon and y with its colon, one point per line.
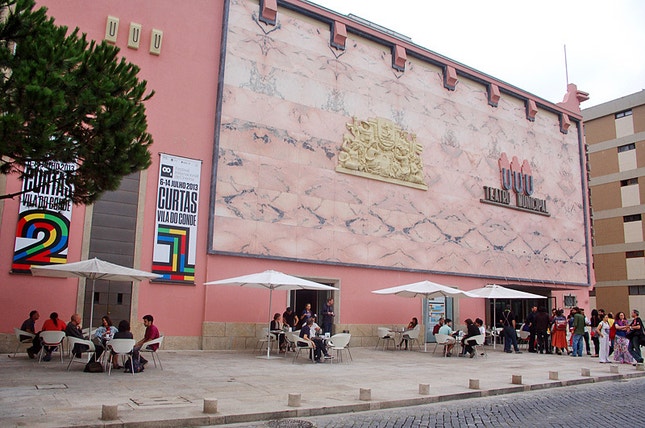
x: 66, y: 99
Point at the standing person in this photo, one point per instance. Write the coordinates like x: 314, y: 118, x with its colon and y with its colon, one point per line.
x: 541, y: 321
x: 596, y: 318
x: 306, y: 313
x: 510, y: 335
x: 602, y: 333
x: 290, y: 318
x: 621, y: 343
x: 29, y: 325
x: 530, y: 321
x: 328, y: 316
x: 579, y: 326
x: 635, y: 334
x: 51, y: 324
x: 586, y: 334
x: 151, y: 333
x: 559, y: 333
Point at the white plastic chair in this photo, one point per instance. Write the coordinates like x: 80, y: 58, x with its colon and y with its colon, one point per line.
x: 443, y: 339
x: 146, y: 348
x: 53, y: 339
x: 122, y: 348
x: 23, y: 341
x: 412, y: 336
x: 385, y: 336
x: 478, y: 347
x: 300, y: 345
x: 265, y: 339
x: 523, y: 338
x: 84, y: 359
x: 339, y: 342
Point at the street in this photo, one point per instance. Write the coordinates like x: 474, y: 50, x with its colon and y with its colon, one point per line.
x: 605, y: 404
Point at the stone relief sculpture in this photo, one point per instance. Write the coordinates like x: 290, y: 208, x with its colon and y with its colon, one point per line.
x: 377, y: 148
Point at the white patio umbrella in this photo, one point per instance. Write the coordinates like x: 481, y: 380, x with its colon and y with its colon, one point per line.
x: 272, y: 280
x: 93, y: 269
x: 427, y: 289
x: 494, y: 291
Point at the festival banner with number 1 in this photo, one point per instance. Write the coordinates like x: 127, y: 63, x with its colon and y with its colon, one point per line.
x: 176, y: 219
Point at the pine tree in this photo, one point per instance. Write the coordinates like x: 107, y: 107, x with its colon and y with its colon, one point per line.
x: 65, y: 99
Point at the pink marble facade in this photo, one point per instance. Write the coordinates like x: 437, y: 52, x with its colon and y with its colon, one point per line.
x: 286, y: 100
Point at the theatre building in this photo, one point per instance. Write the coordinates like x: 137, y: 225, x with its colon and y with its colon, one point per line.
x: 292, y: 138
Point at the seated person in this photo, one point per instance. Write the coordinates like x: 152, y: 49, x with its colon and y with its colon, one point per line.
x: 446, y: 329
x: 105, y: 332
x: 29, y: 325
x: 51, y: 324
x: 317, y: 343
x: 278, y: 325
x: 123, y: 333
x: 73, y: 329
x: 151, y: 333
x: 471, y: 331
x: 437, y: 326
x: 411, y: 326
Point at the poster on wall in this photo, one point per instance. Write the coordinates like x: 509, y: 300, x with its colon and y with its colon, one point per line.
x: 176, y: 219
x: 44, y: 216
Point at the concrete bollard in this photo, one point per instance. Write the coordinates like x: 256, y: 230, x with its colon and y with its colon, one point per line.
x: 365, y: 394
x: 109, y: 412
x: 473, y: 383
x: 613, y: 368
x: 517, y: 379
x: 424, y: 389
x: 585, y: 372
x: 640, y: 367
x: 210, y: 405
x: 294, y: 400
x: 553, y: 375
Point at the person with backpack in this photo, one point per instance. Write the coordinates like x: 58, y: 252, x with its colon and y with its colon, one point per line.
x: 559, y: 333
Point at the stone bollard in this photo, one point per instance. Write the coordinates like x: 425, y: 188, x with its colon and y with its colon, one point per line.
x: 365, y: 394
x: 473, y: 383
x: 109, y: 412
x: 585, y: 372
x: 210, y: 405
x: 424, y: 389
x: 640, y: 367
x: 613, y: 368
x: 553, y: 375
x: 516, y: 379
x: 294, y: 400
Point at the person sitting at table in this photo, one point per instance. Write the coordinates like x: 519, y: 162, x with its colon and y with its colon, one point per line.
x: 471, y: 331
x: 73, y: 329
x: 278, y: 325
x: 105, y: 332
x: 29, y: 325
x: 123, y: 333
x: 437, y: 326
x: 446, y: 329
x: 51, y: 324
x: 152, y: 332
x: 411, y: 326
x: 318, y: 343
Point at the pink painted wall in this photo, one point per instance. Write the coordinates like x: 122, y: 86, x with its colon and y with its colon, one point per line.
x: 181, y: 119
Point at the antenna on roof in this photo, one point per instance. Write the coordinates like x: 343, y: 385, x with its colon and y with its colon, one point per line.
x: 566, y: 66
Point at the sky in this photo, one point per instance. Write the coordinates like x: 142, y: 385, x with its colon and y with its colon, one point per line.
x: 523, y: 43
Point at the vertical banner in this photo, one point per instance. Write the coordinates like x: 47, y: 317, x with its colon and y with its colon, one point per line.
x: 176, y: 219
x: 44, y: 216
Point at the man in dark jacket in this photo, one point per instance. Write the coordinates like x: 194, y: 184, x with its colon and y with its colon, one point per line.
x: 541, y: 326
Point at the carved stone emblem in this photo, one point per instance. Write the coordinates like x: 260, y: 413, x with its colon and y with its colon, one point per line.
x: 377, y: 148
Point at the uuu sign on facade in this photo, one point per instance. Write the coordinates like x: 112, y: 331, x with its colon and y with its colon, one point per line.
x: 518, y: 178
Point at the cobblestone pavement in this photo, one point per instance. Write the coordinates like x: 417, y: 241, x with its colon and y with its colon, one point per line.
x: 604, y: 404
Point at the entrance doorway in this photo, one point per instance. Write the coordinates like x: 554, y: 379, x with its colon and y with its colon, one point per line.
x: 299, y: 298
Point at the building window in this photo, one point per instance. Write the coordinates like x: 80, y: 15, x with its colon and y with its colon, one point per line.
x: 637, y: 290
x: 570, y: 301
x: 592, y: 293
x: 634, y: 254
x: 119, y: 299
x: 630, y: 218
x: 629, y: 182
x: 626, y: 147
x: 623, y: 114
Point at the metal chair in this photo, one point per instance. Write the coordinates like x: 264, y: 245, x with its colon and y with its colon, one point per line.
x: 385, y: 336
x: 24, y: 338
x: 147, y: 348
x: 339, y: 342
x: 51, y: 339
x: 90, y: 351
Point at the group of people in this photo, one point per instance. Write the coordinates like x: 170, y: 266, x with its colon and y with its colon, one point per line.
x: 473, y: 328
x: 103, y: 334
x: 310, y: 331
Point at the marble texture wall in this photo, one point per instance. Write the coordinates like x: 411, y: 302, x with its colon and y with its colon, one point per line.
x: 287, y: 99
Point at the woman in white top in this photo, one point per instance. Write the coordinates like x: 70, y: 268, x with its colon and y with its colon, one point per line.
x: 603, y: 336
x: 106, y: 331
